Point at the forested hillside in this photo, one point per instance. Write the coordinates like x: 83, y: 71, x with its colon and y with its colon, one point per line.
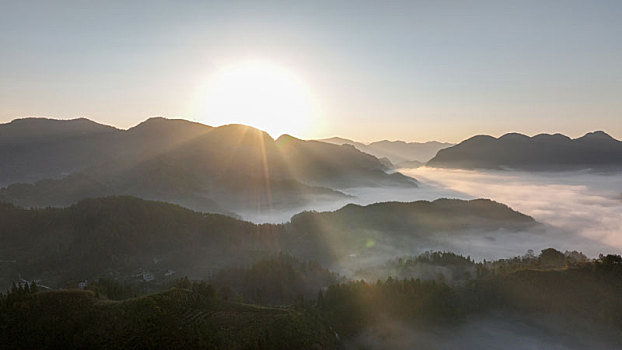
x: 579, y: 298
x: 125, y: 237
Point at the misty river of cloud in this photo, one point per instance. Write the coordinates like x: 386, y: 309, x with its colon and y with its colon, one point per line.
x: 581, y: 210
x: 582, y: 203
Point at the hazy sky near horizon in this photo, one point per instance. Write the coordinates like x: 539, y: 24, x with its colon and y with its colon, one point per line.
x: 412, y: 70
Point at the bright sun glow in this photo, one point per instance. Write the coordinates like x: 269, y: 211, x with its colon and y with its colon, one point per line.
x: 262, y: 95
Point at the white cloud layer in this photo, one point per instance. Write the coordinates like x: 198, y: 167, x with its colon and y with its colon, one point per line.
x: 581, y: 203
x: 581, y: 210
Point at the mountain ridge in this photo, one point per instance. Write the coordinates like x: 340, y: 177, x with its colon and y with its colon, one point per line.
x: 399, y: 153
x: 555, y: 152
x: 221, y: 169
x: 123, y: 235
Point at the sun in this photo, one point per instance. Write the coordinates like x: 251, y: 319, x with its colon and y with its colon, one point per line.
x: 262, y: 95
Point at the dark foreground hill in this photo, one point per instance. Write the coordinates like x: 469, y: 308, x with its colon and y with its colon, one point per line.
x: 177, y: 319
x: 595, y: 150
x: 125, y: 237
x: 510, y: 303
x: 223, y: 169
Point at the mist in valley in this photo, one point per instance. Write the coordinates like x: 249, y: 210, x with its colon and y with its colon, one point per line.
x: 578, y: 210
x: 580, y: 207
x: 495, y: 330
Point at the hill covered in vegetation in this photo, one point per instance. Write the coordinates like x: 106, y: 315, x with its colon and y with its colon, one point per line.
x: 181, y: 318
x: 127, y: 237
x: 550, y: 299
x: 596, y: 150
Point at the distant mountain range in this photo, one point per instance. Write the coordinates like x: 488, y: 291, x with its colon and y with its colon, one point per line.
x: 399, y: 153
x: 122, y: 236
x: 33, y: 149
x: 223, y: 169
x: 595, y: 150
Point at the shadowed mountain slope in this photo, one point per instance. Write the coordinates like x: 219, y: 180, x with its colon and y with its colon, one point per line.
x: 123, y: 236
x: 223, y: 169
x: 32, y: 149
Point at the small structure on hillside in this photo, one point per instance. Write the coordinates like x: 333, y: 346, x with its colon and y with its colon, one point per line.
x: 148, y: 276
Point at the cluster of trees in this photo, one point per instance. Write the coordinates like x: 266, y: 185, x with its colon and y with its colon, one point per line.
x: 454, y: 268
x: 590, y: 290
x: 201, y: 288
x: 610, y: 262
x: 553, y: 283
x: 353, y: 306
x: 548, y: 258
x: 436, y: 258
x: 282, y: 280
x: 113, y: 289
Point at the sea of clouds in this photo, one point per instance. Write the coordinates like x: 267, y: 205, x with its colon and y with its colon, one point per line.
x: 580, y: 210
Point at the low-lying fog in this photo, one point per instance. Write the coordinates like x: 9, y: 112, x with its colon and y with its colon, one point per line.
x: 499, y: 330
x: 582, y: 203
x: 581, y: 210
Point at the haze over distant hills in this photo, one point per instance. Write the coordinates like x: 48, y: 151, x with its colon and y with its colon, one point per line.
x: 400, y: 153
x: 218, y: 169
x: 594, y: 150
x: 33, y: 149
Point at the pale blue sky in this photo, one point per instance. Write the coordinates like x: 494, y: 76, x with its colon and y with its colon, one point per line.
x: 415, y: 70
